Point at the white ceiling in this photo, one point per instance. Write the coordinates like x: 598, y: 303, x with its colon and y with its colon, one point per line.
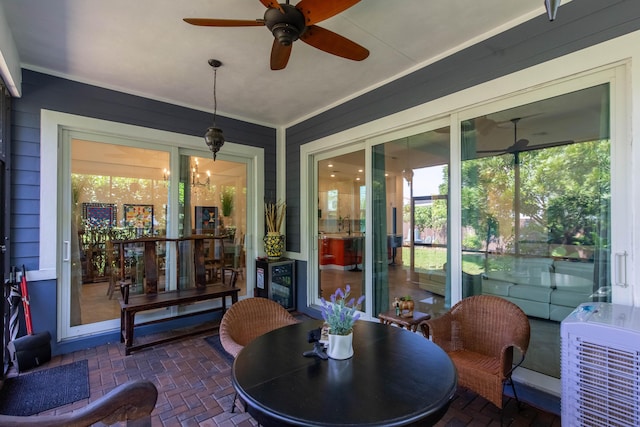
x: 144, y: 47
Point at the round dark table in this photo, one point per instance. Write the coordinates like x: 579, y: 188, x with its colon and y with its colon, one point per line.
x: 395, y: 378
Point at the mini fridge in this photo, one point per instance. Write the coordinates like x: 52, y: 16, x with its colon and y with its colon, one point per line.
x: 276, y: 280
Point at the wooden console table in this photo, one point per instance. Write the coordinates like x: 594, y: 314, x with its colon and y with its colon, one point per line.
x: 138, y: 303
x: 151, y: 299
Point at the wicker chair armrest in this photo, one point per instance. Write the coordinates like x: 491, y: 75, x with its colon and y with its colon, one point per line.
x: 229, y: 345
x: 131, y: 402
x: 507, y: 358
x: 518, y: 340
x: 522, y: 342
x: 440, y: 329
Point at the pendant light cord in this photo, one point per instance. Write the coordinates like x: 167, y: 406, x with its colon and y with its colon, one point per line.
x: 215, y: 99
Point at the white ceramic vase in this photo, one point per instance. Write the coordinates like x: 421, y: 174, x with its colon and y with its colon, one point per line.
x: 340, y: 346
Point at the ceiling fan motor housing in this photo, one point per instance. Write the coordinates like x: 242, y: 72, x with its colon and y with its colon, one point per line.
x: 286, y: 27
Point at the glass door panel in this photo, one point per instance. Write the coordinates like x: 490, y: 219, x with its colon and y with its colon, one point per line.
x: 213, y: 202
x: 410, y: 217
x: 341, y: 223
x: 536, y: 197
x: 121, y: 193
x: 118, y: 193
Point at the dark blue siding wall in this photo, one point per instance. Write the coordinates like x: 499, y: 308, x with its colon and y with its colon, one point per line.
x: 44, y: 91
x: 41, y: 91
x: 580, y: 24
x: 25, y: 189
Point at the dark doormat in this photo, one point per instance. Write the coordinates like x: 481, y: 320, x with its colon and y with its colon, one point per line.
x: 214, y: 342
x: 39, y: 391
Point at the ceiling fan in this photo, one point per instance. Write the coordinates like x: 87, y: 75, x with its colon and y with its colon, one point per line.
x: 289, y: 23
x: 520, y: 145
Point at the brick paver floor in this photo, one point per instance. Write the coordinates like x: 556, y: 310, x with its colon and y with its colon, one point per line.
x: 194, y: 386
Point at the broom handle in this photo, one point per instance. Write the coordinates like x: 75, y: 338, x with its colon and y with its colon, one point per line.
x: 25, y: 301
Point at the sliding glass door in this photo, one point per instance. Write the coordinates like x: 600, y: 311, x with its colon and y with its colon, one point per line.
x: 117, y: 191
x: 523, y: 208
x: 410, y: 221
x: 341, y: 223
x: 536, y: 203
x: 408, y: 238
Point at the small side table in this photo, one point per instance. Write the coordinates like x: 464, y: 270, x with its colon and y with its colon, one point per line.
x: 411, y: 323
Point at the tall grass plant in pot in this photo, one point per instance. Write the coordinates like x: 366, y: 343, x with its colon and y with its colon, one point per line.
x: 274, y: 240
x: 226, y: 205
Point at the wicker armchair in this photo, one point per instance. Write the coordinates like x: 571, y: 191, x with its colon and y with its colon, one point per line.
x: 479, y: 333
x: 130, y: 403
x: 247, y: 320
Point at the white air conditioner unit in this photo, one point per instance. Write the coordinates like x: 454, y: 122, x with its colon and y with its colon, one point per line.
x: 601, y: 366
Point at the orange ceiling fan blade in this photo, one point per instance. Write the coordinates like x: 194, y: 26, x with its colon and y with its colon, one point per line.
x: 333, y: 43
x: 272, y: 4
x: 279, y: 55
x: 206, y: 22
x: 315, y: 11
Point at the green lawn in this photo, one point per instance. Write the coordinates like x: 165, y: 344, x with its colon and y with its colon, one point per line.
x: 427, y: 258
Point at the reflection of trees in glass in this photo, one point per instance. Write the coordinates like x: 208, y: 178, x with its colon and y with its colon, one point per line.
x: 120, y: 191
x: 431, y: 216
x: 423, y: 217
x: 562, y: 190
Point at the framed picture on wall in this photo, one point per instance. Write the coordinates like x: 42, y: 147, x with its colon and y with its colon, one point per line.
x: 139, y: 217
x: 99, y: 214
x: 206, y: 219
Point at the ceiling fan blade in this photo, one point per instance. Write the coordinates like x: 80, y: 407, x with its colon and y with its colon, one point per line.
x: 493, y: 151
x: 550, y: 144
x: 315, y: 11
x: 206, y: 22
x: 272, y: 4
x: 523, y: 145
x: 333, y: 43
x: 279, y: 55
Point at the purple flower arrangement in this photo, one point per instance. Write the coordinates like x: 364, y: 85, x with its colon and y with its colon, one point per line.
x: 341, y: 313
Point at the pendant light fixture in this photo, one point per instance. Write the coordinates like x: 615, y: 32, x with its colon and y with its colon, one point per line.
x: 214, y: 137
x: 552, y: 8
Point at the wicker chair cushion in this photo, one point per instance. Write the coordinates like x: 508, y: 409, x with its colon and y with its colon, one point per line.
x: 250, y: 318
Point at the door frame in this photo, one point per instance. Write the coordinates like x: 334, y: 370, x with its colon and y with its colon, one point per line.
x: 5, y: 197
x: 54, y: 244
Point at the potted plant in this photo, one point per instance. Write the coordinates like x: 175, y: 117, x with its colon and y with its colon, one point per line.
x: 226, y: 202
x: 340, y: 315
x: 274, y: 241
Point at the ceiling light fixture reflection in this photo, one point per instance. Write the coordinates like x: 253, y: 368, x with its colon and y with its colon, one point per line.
x: 407, y: 174
x: 195, y: 177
